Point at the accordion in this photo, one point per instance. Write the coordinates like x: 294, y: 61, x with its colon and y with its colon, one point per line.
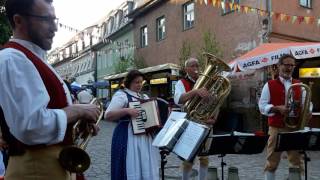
x: 148, y: 117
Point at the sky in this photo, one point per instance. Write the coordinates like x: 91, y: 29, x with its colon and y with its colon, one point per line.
x: 79, y: 14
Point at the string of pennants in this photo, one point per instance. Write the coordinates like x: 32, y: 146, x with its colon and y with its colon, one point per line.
x: 72, y: 29
x: 122, y: 48
x: 283, y: 17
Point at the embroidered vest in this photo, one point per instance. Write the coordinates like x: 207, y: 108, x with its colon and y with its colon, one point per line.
x: 277, y: 97
x: 187, y: 83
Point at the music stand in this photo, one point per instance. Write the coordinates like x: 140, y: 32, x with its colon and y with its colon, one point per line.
x: 231, y: 144
x: 301, y: 141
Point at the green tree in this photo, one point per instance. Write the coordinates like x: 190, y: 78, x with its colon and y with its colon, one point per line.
x: 126, y: 63
x: 138, y: 62
x: 210, y: 45
x: 185, y: 52
x: 5, y: 30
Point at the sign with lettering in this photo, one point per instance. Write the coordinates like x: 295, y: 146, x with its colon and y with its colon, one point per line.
x: 261, y: 56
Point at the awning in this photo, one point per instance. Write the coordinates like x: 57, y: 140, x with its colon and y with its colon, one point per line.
x: 146, y: 70
x: 269, y: 53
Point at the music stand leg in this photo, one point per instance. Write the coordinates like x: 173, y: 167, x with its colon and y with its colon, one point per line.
x: 163, y: 154
x: 222, y: 166
x: 306, y: 159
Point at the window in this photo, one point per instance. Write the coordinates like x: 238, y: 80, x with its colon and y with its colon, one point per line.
x: 188, y: 15
x: 161, y: 28
x: 227, y: 9
x: 144, y: 36
x: 305, y: 3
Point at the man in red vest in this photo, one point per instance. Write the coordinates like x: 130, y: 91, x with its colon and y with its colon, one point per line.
x: 183, y: 93
x: 35, y: 103
x: 272, y: 104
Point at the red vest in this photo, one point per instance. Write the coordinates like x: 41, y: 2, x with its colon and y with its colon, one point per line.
x: 54, y: 87
x: 277, y: 97
x: 188, y: 84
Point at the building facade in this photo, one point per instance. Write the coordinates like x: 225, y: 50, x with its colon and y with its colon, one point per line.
x: 163, y: 26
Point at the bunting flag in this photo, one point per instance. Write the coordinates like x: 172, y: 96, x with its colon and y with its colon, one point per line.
x: 300, y: 19
x: 294, y: 18
x: 283, y: 17
x: 246, y: 9
x: 214, y: 3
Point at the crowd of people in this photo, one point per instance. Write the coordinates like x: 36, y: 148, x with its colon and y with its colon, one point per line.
x: 37, y: 109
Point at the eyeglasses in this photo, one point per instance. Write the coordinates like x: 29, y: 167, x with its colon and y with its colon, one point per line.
x: 48, y: 19
x: 289, y: 65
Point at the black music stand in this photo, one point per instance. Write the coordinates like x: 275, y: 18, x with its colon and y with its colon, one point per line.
x: 231, y: 144
x: 163, y: 154
x: 301, y: 141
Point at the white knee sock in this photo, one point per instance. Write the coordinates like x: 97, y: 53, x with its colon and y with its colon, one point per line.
x: 268, y: 175
x: 203, y: 172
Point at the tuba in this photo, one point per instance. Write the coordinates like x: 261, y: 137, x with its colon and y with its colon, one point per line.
x: 74, y: 158
x: 297, y: 117
x: 219, y: 87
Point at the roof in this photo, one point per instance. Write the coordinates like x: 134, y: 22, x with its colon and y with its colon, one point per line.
x: 146, y: 70
x: 147, y: 5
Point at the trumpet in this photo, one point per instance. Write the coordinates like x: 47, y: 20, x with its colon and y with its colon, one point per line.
x: 74, y: 158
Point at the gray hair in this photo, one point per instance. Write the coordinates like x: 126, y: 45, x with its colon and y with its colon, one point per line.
x: 190, y: 60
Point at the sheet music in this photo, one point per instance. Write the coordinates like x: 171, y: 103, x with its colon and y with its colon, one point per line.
x: 190, y: 140
x: 170, y: 130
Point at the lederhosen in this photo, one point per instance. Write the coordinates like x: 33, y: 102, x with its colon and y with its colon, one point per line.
x: 58, y: 100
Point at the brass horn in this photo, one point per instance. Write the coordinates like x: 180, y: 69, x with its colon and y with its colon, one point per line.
x: 297, y: 117
x: 218, y: 87
x: 74, y: 158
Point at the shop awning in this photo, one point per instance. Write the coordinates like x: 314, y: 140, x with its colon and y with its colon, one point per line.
x: 146, y: 70
x: 269, y: 53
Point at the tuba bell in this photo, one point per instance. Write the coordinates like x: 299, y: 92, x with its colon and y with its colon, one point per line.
x: 74, y: 158
x: 297, y: 117
x: 219, y: 87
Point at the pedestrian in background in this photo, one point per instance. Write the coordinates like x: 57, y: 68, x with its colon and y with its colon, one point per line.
x: 84, y: 96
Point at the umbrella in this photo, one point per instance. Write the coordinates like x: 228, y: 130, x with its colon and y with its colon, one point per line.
x: 269, y: 53
x: 75, y: 87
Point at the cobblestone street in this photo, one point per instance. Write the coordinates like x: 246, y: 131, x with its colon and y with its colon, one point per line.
x: 250, y: 166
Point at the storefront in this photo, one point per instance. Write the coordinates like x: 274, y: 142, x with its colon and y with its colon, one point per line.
x: 160, y: 81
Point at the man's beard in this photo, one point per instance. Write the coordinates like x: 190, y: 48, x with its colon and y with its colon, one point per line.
x: 37, y: 39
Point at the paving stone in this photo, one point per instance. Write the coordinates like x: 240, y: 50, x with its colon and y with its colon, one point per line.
x: 250, y: 167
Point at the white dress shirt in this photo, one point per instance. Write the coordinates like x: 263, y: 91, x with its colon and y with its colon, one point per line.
x: 24, y: 98
x: 264, y: 101
x: 178, y: 91
x: 84, y: 97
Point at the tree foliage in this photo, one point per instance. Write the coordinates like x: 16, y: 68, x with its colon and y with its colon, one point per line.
x: 184, y: 53
x: 127, y: 63
x: 209, y: 45
x: 5, y: 30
